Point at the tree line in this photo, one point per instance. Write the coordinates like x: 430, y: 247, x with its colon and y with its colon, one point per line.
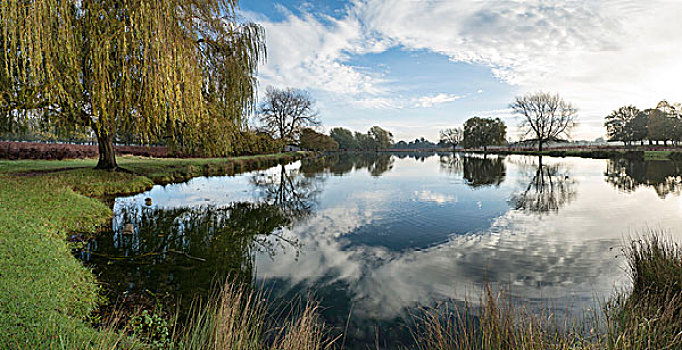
x: 628, y: 124
x: 544, y: 117
x: 374, y: 139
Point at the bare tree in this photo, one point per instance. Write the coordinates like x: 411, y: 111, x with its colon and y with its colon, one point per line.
x: 452, y: 136
x: 546, y: 117
x: 285, y: 111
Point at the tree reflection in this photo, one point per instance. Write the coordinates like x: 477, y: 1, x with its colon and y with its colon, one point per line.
x: 477, y: 171
x: 420, y: 156
x: 549, y: 188
x: 288, y: 189
x: 342, y: 163
x: 629, y: 174
x: 182, y: 252
x: 484, y: 171
x: 451, y: 163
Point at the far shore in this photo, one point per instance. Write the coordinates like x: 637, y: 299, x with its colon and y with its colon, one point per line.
x: 597, y: 152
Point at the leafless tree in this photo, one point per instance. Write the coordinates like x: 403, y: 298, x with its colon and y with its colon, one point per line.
x: 285, y: 111
x: 546, y: 117
x: 452, y: 136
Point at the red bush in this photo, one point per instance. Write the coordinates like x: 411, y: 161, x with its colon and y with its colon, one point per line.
x: 39, y: 150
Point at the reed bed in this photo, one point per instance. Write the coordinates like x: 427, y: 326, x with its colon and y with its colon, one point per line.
x: 648, y: 316
x: 238, y: 319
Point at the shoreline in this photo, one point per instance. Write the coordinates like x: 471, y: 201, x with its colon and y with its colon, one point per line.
x: 646, y: 153
x: 46, y: 294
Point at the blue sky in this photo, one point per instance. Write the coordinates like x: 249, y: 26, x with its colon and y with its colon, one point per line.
x: 415, y: 67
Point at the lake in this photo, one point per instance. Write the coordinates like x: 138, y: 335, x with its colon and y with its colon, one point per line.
x: 376, y: 236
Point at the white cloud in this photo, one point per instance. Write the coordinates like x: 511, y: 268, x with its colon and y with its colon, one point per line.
x: 598, y: 54
x: 377, y: 103
x: 429, y: 101
x: 310, y: 52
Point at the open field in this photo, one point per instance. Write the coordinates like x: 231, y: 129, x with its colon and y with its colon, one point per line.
x: 46, y: 295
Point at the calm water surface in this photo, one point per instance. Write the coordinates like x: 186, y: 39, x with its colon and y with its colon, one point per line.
x: 375, y: 236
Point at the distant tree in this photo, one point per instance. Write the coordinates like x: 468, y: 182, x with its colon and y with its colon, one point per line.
x: 310, y: 139
x: 285, y: 111
x: 400, y: 145
x: 639, y: 127
x: 420, y: 143
x: 484, y: 132
x: 659, y: 125
x: 344, y: 138
x: 382, y: 138
x: 545, y: 117
x: 365, y: 141
x: 620, y: 124
x: 452, y: 137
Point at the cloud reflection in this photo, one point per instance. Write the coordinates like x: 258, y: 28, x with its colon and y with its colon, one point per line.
x: 569, y: 257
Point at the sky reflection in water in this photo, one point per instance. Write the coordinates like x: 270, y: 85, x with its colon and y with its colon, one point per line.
x: 385, y: 233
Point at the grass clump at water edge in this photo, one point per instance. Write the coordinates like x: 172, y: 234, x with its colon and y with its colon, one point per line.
x: 238, y: 319
x: 648, y: 316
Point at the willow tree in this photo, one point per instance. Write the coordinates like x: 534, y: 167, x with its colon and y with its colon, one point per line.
x: 156, y: 68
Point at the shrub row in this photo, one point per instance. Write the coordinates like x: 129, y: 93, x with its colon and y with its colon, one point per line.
x: 38, y: 150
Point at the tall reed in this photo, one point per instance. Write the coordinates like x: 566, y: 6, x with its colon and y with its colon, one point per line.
x: 238, y: 319
x: 647, y: 316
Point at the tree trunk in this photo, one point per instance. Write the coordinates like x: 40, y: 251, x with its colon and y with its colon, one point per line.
x: 107, y: 154
x: 540, y: 146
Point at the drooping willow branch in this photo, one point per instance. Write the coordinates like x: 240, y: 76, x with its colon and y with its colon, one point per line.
x: 155, y: 68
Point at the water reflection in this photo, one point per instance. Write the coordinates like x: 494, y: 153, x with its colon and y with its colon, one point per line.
x: 661, y: 175
x: 549, y: 187
x: 484, y: 171
x: 178, y: 253
x: 476, y: 170
x: 182, y: 246
x: 287, y: 189
x: 377, y: 234
x: 452, y: 163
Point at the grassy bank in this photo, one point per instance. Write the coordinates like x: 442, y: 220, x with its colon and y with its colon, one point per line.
x: 46, y: 295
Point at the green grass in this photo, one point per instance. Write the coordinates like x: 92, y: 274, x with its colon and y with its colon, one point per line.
x: 658, y: 155
x: 46, y: 295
